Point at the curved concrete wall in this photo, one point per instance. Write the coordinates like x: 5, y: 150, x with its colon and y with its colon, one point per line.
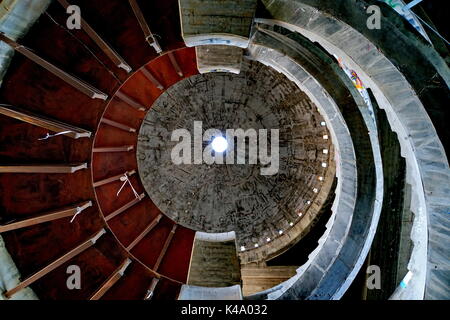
x: 420, y: 143
x: 346, y: 192
x: 332, y: 267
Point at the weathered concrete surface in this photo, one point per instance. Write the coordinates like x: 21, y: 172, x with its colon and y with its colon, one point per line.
x: 319, y: 279
x: 236, y: 197
x: 407, y: 114
x: 219, y: 58
x: 214, y: 264
x: 217, y: 21
x: 201, y: 293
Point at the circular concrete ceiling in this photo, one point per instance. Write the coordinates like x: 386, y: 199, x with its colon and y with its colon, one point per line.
x: 235, y: 197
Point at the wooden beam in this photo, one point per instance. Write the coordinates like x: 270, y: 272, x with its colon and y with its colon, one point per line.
x: 151, y: 78
x: 149, y: 37
x: 175, y: 64
x: 117, y: 125
x: 43, y: 122
x: 78, y: 84
x: 151, y: 289
x: 113, y: 149
x: 108, y: 50
x: 112, y: 179
x: 145, y: 232
x: 130, y: 101
x: 117, y: 274
x: 166, y: 246
x: 55, y: 264
x: 51, y: 216
x: 51, y: 168
x: 125, y: 207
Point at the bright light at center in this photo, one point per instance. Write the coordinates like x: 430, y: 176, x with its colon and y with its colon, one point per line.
x: 219, y: 144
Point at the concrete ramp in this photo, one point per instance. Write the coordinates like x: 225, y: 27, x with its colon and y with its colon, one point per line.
x: 214, y: 261
x: 201, y: 293
x: 219, y: 58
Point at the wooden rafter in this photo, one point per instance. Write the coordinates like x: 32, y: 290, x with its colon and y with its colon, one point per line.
x: 117, y: 125
x: 164, y: 249
x: 51, y: 168
x: 144, y: 233
x: 130, y: 101
x: 114, y: 178
x: 105, y: 47
x: 112, y: 279
x: 125, y: 207
x: 78, y: 84
x: 151, y: 78
x: 113, y: 149
x: 44, y: 122
x: 151, y: 289
x: 175, y: 64
x: 149, y: 37
x: 55, y: 264
x: 51, y: 216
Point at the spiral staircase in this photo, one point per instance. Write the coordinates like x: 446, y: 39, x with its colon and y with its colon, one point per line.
x: 72, y: 102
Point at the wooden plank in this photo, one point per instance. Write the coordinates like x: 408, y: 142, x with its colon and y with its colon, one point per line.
x: 115, y: 276
x: 149, y: 37
x: 117, y: 125
x: 54, y: 215
x: 130, y: 101
x: 105, y: 47
x: 112, y: 179
x: 166, y: 246
x: 42, y: 168
x: 151, y: 78
x: 55, y: 264
x: 175, y: 64
x: 78, y: 84
x: 151, y: 289
x: 145, y: 232
x: 113, y: 149
x: 125, y: 207
x: 43, y: 122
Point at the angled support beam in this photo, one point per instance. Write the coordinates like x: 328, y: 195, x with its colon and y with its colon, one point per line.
x: 149, y: 37
x: 117, y: 274
x: 175, y: 64
x: 78, y: 84
x: 151, y: 289
x: 130, y: 101
x: 55, y: 264
x: 112, y: 179
x: 51, y: 216
x: 110, y: 52
x: 125, y: 207
x: 152, y: 79
x: 43, y: 122
x: 166, y: 246
x: 113, y: 149
x: 117, y: 125
x: 145, y: 232
x: 51, y: 168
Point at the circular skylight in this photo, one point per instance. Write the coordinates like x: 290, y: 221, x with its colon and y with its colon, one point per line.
x: 219, y: 144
